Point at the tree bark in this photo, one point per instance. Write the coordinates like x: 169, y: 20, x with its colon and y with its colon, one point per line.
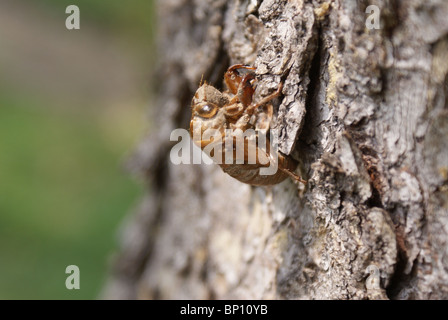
x: 364, y: 112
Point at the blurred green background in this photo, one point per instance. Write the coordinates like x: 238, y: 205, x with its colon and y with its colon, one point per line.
x: 72, y: 107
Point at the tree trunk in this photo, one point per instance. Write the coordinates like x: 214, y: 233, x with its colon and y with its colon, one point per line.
x: 364, y: 112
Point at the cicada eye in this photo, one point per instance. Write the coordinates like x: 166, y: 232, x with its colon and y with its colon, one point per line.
x: 207, y: 110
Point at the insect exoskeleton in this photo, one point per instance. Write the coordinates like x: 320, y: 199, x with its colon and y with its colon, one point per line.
x: 235, y: 130
x: 207, y: 113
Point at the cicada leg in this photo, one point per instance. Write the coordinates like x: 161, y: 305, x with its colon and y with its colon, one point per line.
x: 232, y: 77
x: 293, y: 175
x: 265, y: 100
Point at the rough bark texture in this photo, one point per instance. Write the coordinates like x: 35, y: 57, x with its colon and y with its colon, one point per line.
x: 365, y: 114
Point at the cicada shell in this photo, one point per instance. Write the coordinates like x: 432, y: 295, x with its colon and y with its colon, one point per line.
x: 230, y: 113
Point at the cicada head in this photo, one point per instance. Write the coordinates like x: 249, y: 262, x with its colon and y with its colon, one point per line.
x: 207, y: 111
x: 207, y: 101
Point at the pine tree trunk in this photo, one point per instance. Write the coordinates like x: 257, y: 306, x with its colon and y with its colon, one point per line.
x: 364, y: 111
